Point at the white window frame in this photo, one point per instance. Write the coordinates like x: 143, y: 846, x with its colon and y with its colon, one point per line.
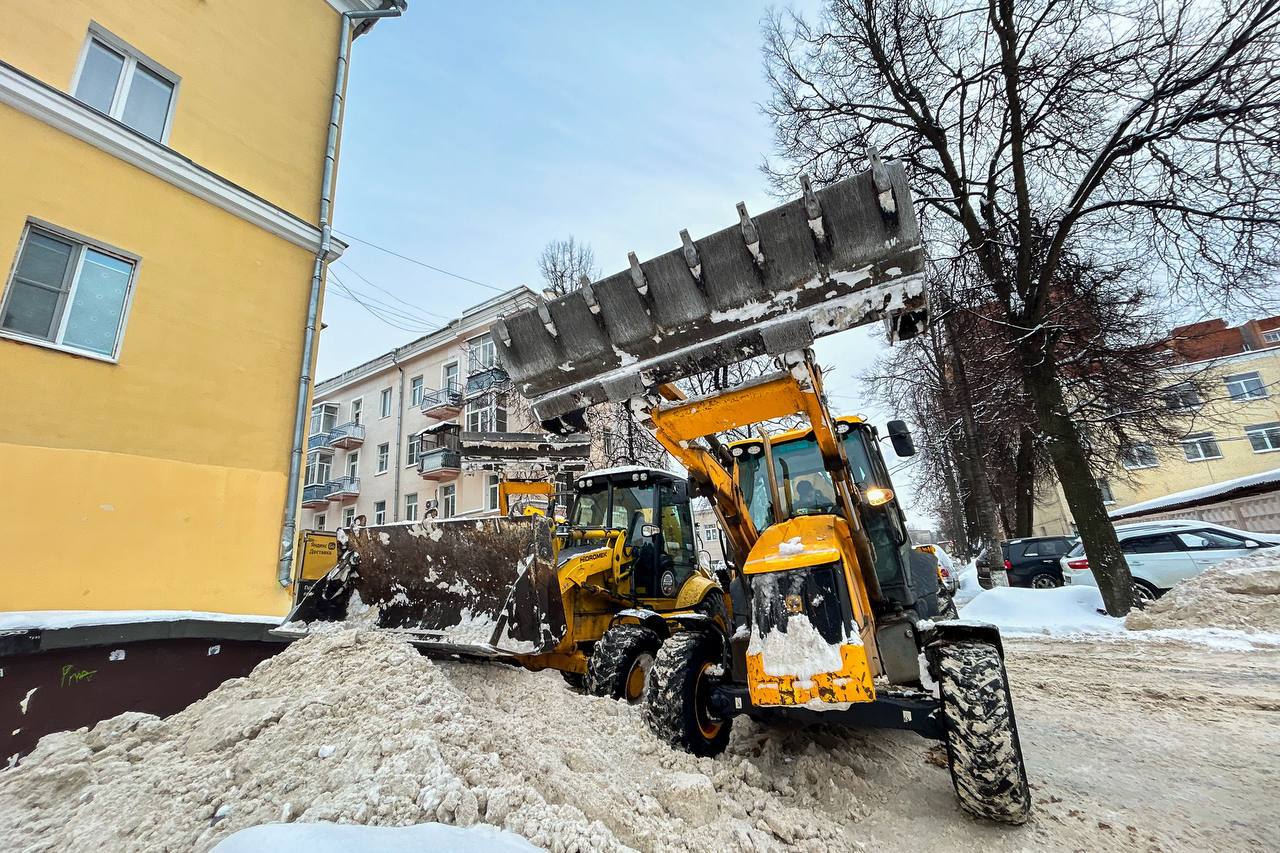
x: 491, y: 491
x: 76, y: 263
x: 457, y: 375
x: 320, y: 409
x: 1155, y: 463
x: 320, y: 520
x: 379, y: 512
x: 1266, y: 431
x: 348, y: 516
x: 485, y: 409
x: 313, y: 459
x: 411, y: 450
x: 384, y: 403
x: 1271, y: 336
x: 383, y: 458
x: 357, y: 410
x: 352, y: 465
x: 1240, y: 379
x: 1183, y: 387
x: 1194, y: 440
x: 411, y: 506
x: 447, y: 500
x: 476, y: 364
x: 710, y: 533
x: 416, y: 389
x: 132, y: 59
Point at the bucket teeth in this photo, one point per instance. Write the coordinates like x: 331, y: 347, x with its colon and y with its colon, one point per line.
x: 837, y: 257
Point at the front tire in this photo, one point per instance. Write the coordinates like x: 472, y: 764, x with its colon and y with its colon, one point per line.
x: 983, y: 750
x: 1045, y: 580
x: 620, y: 662
x: 677, y: 704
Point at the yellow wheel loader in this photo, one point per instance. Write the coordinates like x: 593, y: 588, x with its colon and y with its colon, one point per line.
x: 830, y: 619
x: 590, y: 596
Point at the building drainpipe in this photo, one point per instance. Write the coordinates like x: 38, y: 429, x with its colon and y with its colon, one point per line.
x: 395, y: 488
x: 290, y: 528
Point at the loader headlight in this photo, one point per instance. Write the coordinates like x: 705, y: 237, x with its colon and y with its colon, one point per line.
x: 736, y: 451
x: 842, y: 428
x: 877, y: 496
x: 754, y: 450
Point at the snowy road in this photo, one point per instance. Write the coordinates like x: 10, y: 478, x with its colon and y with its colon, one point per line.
x: 1130, y: 746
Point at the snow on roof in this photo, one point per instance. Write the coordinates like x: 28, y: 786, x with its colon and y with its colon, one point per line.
x: 17, y: 620
x: 1201, y: 494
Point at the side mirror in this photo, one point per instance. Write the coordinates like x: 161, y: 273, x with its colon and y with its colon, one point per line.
x: 648, y: 531
x: 900, y: 436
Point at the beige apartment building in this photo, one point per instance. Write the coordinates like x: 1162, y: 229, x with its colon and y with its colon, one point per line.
x: 706, y: 532
x: 384, y: 437
x: 1231, y: 414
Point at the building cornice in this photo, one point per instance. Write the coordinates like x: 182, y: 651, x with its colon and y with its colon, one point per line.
x: 59, y: 110
x: 345, y: 6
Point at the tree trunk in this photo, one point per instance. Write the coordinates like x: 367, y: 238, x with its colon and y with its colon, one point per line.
x: 1078, y: 484
x: 1025, y: 490
x: 988, y: 531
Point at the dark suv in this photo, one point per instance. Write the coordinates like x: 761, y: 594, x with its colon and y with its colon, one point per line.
x: 1032, y: 562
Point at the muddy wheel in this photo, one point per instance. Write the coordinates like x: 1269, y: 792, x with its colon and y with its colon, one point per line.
x: 619, y: 664
x: 713, y: 607
x: 948, y: 609
x: 982, y: 737
x: 575, y: 680
x: 677, y: 705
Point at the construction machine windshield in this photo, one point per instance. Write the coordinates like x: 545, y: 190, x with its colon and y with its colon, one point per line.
x: 603, y: 505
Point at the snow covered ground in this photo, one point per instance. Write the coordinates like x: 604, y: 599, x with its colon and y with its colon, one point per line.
x: 344, y: 838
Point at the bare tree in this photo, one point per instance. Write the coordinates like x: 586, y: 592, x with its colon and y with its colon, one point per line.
x: 1142, y: 132
x: 563, y: 262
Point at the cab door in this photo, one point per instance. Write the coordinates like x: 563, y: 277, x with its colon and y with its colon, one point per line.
x: 667, y: 558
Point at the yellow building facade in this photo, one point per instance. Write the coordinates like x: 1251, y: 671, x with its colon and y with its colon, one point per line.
x: 158, y: 237
x: 1232, y: 429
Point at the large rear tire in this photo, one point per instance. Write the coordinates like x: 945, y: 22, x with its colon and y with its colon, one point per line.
x: 983, y: 751
x: 677, y: 704
x: 620, y: 662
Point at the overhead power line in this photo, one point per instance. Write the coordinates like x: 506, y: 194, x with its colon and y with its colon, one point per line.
x: 394, y: 253
x: 416, y: 308
x: 381, y: 311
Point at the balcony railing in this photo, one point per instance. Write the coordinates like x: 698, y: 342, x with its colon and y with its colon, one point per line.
x: 316, y: 495
x: 342, y: 488
x: 442, y: 403
x: 347, y: 436
x: 317, y: 440
x: 442, y: 463
x: 485, y: 379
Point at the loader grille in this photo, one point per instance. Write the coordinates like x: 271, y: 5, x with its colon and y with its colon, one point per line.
x: 818, y: 592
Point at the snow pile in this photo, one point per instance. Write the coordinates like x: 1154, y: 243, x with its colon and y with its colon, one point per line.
x: 968, y: 588
x: 341, y: 838
x: 1053, y: 612
x: 791, y: 546
x: 1241, y: 594
x: 800, y: 650
x: 357, y: 727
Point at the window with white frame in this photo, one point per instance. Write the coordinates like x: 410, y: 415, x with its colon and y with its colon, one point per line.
x: 384, y: 403
x: 1104, y: 486
x: 379, y: 512
x: 357, y: 410
x: 411, y: 450
x: 324, y: 417
x: 1180, y: 397
x: 415, y: 391
x: 491, y: 491
x: 448, y: 500
x: 411, y: 507
x: 1271, y: 336
x: 384, y: 456
x: 319, y: 468
x: 353, y: 463
x: 321, y: 521
x: 349, y: 516
x: 449, y: 377
x: 117, y: 80
x: 487, y: 414
x: 1245, y: 386
x: 1140, y: 456
x: 1264, y: 437
x: 1201, y: 445
x: 68, y: 291
x: 481, y: 354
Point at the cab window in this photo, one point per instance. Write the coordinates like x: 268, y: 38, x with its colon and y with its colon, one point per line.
x: 677, y: 529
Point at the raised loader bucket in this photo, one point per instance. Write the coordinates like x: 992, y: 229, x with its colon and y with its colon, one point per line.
x: 839, y: 257
x: 482, y: 586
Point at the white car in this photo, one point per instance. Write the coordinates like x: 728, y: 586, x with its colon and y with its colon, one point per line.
x: 1161, y: 553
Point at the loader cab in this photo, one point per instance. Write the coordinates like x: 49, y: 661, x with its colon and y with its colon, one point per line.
x: 806, y: 488
x: 650, y: 509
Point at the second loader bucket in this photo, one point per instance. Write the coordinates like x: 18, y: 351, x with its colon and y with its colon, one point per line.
x: 484, y: 586
x: 839, y: 257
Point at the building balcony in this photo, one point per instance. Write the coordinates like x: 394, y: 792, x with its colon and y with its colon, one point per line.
x: 343, y: 489
x: 317, y: 440
x: 315, y: 496
x: 442, y: 404
x: 441, y: 464
x: 484, y: 379
x: 347, y: 436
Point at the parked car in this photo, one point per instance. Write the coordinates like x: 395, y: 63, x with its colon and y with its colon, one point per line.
x: 1031, y: 562
x: 1161, y: 553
